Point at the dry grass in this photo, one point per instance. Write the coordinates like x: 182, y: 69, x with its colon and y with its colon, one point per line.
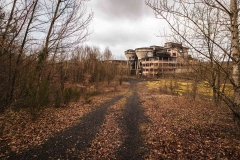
x: 180, y: 87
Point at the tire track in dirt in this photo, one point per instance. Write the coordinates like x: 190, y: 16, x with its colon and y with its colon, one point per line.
x: 78, y: 137
x: 133, y: 147
x: 110, y: 135
x: 83, y: 139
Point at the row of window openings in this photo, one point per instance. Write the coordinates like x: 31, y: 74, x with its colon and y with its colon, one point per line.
x: 151, y: 70
x: 158, y: 64
x: 160, y: 59
x: 169, y: 50
x: 173, y: 55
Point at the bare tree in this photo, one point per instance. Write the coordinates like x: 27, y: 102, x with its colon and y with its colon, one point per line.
x: 32, y: 32
x: 217, y: 31
x: 14, y: 32
x: 107, y: 54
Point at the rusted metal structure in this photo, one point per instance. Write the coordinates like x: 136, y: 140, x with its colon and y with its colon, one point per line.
x: 157, y: 60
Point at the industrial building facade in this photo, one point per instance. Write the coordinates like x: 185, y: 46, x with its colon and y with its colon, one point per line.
x: 157, y: 60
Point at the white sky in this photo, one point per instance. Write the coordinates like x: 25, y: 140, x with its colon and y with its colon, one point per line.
x: 124, y: 24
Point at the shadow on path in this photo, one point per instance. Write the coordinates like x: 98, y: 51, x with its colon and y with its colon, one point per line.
x: 133, y: 146
x: 78, y: 137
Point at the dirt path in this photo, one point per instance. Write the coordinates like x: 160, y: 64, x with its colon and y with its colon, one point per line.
x: 80, y: 136
x: 142, y: 123
x: 133, y: 116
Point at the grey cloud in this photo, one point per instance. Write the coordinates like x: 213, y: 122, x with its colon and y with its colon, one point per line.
x: 122, y: 25
x: 130, y: 9
x: 125, y: 39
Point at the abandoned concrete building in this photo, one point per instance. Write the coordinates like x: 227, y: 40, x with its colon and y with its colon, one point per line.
x: 157, y: 60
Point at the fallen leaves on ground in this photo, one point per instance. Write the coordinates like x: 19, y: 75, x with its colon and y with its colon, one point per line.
x: 19, y: 132
x: 178, y: 128
x: 109, y: 137
x: 184, y: 129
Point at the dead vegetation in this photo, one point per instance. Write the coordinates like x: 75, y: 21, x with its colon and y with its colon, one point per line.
x: 181, y: 128
x: 19, y: 130
x: 177, y: 127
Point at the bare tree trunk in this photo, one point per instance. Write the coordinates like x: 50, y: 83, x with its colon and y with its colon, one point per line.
x: 235, y: 53
x: 43, y: 55
x: 9, y: 20
x: 21, y: 51
x: 236, y: 64
x: 4, y: 51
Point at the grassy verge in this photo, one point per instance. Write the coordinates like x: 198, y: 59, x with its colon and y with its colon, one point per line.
x: 186, y: 88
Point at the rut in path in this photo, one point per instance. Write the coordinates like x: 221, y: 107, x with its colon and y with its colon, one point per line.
x: 81, y: 135
x: 78, y: 137
x: 133, y: 146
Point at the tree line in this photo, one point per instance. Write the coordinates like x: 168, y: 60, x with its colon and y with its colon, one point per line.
x: 41, y: 56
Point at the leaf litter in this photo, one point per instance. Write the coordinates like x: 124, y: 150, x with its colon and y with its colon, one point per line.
x: 179, y: 128
x: 184, y: 129
x: 19, y: 132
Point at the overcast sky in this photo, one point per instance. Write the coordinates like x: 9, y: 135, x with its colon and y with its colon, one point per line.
x: 122, y: 25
